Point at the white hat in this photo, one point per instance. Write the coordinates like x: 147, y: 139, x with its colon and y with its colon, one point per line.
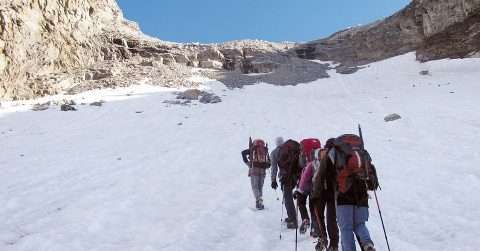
x: 279, y: 141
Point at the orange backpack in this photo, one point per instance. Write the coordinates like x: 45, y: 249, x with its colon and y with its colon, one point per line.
x: 259, y: 157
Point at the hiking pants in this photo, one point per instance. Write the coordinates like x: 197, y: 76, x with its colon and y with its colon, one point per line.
x: 351, y: 220
x: 257, y: 186
x: 331, y: 226
x: 289, y: 205
x: 302, y: 207
x: 311, y: 207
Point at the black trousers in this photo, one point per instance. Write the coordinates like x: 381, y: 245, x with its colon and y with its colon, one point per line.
x: 302, y: 207
x: 289, y: 204
x: 329, y: 206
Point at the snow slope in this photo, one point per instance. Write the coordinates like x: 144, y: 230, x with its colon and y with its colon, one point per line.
x: 109, y: 178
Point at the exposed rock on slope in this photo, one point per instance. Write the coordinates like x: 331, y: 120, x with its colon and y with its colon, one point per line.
x: 451, y: 29
x: 437, y: 28
x: 38, y: 38
x: 47, y: 47
x: 360, y: 45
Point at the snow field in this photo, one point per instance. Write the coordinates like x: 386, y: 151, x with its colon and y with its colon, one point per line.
x: 109, y: 178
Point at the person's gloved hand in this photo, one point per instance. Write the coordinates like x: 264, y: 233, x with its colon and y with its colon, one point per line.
x: 274, y: 185
x: 297, y: 194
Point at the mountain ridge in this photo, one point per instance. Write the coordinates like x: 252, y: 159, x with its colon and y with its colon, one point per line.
x: 69, y: 47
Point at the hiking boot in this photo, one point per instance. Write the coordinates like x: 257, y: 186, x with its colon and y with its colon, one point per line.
x: 321, y: 245
x: 304, y: 226
x: 287, y: 220
x: 292, y: 225
x: 332, y: 248
x: 368, y: 247
x: 314, y: 233
x: 259, y: 204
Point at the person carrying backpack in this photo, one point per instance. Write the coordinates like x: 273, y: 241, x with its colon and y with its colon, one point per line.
x: 307, y: 146
x: 355, y: 175
x: 323, y: 198
x: 286, y: 158
x: 257, y: 159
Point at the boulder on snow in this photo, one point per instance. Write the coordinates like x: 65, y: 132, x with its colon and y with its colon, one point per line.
x: 210, y: 98
x: 97, y: 103
x: 425, y: 73
x: 41, y: 107
x: 201, y: 96
x: 392, y: 117
x: 343, y: 69
x: 191, y: 94
x: 67, y: 107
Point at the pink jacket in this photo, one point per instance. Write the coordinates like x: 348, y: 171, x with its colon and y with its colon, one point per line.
x: 305, y: 185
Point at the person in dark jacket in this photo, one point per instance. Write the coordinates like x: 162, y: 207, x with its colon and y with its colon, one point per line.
x: 257, y: 177
x: 352, y: 212
x: 323, y: 196
x: 287, y: 187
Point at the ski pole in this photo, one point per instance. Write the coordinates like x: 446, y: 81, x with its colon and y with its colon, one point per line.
x: 381, y: 219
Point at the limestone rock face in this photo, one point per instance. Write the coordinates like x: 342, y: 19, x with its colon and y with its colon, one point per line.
x: 451, y: 29
x: 360, y: 45
x: 50, y: 47
x: 43, y: 37
x: 437, y: 16
x: 436, y: 28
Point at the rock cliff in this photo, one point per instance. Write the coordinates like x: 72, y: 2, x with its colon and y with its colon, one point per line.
x: 70, y: 46
x: 41, y: 37
x: 434, y: 28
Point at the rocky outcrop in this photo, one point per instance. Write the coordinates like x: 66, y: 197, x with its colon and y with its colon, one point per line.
x: 38, y: 38
x: 433, y: 28
x: 395, y: 35
x: 451, y: 29
x: 437, y: 16
x: 50, y: 47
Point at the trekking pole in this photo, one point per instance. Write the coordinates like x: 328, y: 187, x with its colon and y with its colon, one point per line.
x: 375, y: 193
x: 281, y: 218
x: 296, y: 228
x: 381, y: 219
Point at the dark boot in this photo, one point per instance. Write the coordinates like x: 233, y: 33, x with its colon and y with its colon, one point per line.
x: 292, y: 225
x: 332, y: 248
x: 314, y: 233
x: 321, y: 245
x: 259, y: 204
x: 304, y: 226
x: 368, y: 247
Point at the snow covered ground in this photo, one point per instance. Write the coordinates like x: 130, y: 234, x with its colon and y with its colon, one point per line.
x: 171, y: 177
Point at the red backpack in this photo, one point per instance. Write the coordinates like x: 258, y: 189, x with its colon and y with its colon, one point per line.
x: 353, y: 164
x: 308, y: 146
x: 259, y: 154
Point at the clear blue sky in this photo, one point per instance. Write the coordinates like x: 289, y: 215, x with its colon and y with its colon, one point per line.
x: 274, y: 20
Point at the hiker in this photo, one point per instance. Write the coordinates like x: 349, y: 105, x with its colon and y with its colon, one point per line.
x: 257, y: 160
x: 285, y: 160
x: 355, y: 175
x: 323, y: 198
x: 307, y: 146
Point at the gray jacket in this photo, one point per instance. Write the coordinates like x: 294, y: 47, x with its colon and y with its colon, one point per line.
x: 274, y: 156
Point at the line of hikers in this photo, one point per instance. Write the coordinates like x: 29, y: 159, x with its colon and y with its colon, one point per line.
x: 335, y: 179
